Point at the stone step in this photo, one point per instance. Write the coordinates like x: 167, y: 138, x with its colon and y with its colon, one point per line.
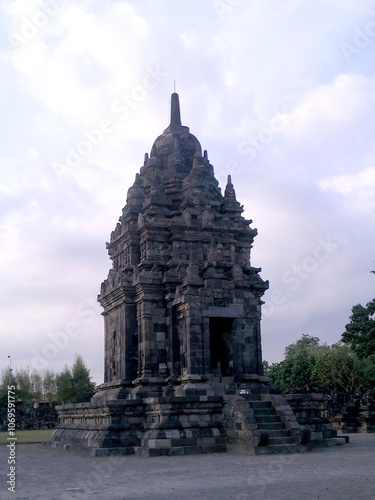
x: 274, y: 433
x: 258, y: 404
x: 271, y: 426
x: 264, y: 411
x: 179, y: 450
x: 268, y: 419
x: 280, y: 440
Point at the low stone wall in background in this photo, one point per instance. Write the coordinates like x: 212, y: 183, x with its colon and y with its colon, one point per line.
x: 310, y: 411
x: 353, y: 412
x: 324, y: 414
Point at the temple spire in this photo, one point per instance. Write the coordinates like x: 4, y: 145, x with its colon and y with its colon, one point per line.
x: 229, y: 190
x: 175, y: 110
x: 175, y: 124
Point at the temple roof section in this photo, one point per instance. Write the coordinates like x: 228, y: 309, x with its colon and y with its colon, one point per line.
x: 177, y: 181
x: 176, y: 145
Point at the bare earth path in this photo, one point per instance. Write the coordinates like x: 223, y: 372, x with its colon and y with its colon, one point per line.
x: 345, y: 472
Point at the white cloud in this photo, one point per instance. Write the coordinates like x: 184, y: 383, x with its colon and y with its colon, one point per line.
x: 351, y: 183
x: 188, y: 39
x: 331, y: 108
x: 357, y: 190
x: 231, y: 76
x: 69, y: 64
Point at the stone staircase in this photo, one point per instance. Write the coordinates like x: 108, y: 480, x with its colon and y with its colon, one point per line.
x: 274, y: 436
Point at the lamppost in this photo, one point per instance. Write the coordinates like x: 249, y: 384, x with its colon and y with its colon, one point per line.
x: 10, y: 370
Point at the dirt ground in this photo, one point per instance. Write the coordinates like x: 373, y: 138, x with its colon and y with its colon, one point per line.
x: 344, y: 472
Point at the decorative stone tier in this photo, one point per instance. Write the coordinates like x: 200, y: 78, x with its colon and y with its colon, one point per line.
x: 149, y: 427
x: 205, y: 418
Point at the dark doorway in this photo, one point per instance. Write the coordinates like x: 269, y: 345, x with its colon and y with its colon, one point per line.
x: 221, y: 360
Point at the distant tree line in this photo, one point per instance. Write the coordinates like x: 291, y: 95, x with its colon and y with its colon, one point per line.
x: 345, y: 367
x: 43, y: 390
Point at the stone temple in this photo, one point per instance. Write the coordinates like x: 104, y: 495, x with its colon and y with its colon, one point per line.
x: 182, y: 303
x: 182, y: 312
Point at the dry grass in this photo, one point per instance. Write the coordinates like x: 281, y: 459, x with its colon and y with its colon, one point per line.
x: 38, y: 436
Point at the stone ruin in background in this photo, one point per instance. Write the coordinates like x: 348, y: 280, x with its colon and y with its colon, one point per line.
x: 182, y: 311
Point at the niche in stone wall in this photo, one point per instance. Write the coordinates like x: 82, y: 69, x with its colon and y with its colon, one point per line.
x: 221, y: 346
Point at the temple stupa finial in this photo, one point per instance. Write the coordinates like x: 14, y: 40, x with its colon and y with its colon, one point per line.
x: 175, y: 110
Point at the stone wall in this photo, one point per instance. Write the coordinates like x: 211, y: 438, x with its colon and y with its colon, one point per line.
x: 324, y: 415
x: 310, y: 411
x: 148, y: 427
x: 353, y: 412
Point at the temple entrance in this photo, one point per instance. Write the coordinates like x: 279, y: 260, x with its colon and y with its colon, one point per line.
x: 221, y: 357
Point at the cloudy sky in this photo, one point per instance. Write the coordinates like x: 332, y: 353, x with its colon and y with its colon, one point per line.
x: 282, y: 96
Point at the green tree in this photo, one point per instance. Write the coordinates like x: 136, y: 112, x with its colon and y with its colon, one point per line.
x: 276, y: 373
x: 297, y: 369
x: 360, y: 331
x: 305, y: 343
x: 6, y: 380
x: 302, y: 366
x: 75, y: 386
x: 24, y: 385
x: 338, y: 368
x: 83, y: 387
x: 36, y: 385
x: 64, y: 384
x: 367, y: 369
x: 49, y: 385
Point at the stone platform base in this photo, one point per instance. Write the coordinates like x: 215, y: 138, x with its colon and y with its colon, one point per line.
x: 148, y: 427
x: 192, y: 418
